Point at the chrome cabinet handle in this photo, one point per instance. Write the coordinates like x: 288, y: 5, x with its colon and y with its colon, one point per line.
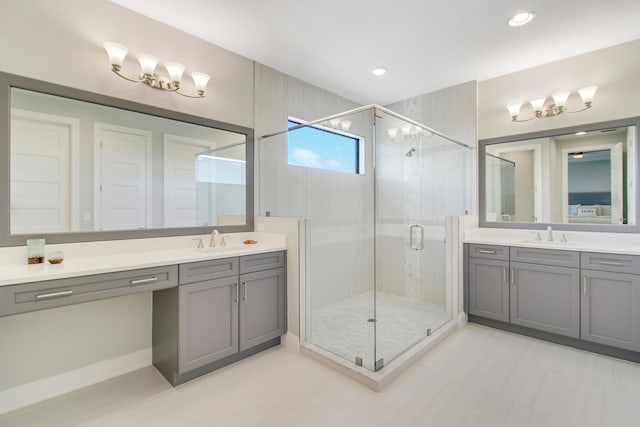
x: 613, y: 263
x: 584, y: 285
x: 411, y: 245
x: 485, y: 251
x: 54, y: 294
x: 141, y: 281
x: 504, y: 274
x: 513, y: 276
x: 244, y: 297
x: 237, y: 292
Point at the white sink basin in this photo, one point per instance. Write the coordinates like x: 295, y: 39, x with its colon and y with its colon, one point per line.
x: 546, y: 242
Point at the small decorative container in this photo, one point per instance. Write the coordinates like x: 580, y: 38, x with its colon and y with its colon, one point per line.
x: 35, y: 251
x: 56, y: 257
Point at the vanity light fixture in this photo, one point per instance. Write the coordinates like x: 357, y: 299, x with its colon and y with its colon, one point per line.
x: 554, y: 108
x: 148, y: 76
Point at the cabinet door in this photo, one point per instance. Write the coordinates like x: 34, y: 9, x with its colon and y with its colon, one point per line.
x: 262, y: 307
x: 207, y: 322
x: 546, y: 298
x: 611, y: 309
x: 489, y: 288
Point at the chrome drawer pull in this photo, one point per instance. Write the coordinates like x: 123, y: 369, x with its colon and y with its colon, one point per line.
x: 54, y: 294
x: 244, y: 298
x: 584, y: 286
x: 484, y: 251
x: 614, y: 263
x: 141, y: 281
x: 237, y: 292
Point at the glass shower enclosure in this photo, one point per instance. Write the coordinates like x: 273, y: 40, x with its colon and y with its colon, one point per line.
x: 375, y: 190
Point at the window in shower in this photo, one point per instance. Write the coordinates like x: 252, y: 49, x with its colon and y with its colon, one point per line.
x: 324, y: 148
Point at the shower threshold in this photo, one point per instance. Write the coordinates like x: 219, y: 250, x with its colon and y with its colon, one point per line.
x: 379, y: 379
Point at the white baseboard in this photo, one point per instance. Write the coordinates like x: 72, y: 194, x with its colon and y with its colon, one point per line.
x: 290, y: 342
x: 46, y: 388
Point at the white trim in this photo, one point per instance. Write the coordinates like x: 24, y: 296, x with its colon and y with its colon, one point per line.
x: 74, y: 156
x: 46, y: 388
x: 97, y: 170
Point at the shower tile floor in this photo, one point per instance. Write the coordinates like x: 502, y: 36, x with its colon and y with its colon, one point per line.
x: 343, y: 328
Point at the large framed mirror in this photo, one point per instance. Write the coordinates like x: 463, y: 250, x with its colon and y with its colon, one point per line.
x: 78, y: 166
x: 577, y: 178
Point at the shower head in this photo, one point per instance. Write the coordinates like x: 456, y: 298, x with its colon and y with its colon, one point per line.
x: 410, y: 152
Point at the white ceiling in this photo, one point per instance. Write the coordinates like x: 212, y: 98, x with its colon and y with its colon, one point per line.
x: 425, y: 44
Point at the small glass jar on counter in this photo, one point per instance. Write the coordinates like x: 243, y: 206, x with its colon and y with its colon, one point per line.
x: 35, y: 251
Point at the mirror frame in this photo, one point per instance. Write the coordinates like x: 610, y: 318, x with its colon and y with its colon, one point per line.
x: 9, y: 81
x: 482, y: 147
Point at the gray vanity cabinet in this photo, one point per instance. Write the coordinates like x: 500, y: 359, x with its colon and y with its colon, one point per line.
x: 208, y: 322
x: 262, y: 310
x: 222, y: 311
x: 610, y: 306
x: 489, y: 288
x: 545, y: 298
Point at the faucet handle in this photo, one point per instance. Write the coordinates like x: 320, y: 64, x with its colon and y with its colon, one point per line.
x: 564, y: 237
x: 200, y: 243
x: 223, y: 241
x: 537, y: 234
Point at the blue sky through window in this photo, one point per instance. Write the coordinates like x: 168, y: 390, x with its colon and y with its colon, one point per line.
x: 322, y: 149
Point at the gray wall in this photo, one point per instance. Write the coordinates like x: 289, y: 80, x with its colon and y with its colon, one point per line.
x: 615, y: 70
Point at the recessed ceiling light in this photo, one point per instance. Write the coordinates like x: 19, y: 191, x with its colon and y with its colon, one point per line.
x: 581, y: 133
x: 379, y: 71
x: 521, y: 19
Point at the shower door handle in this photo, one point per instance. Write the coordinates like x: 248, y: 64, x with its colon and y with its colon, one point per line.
x: 421, y: 240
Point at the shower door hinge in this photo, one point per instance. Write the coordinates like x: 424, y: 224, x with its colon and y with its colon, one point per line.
x: 379, y: 364
x: 358, y: 361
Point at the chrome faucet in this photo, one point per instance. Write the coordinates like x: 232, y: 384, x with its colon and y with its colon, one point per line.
x: 549, y: 234
x: 212, y: 243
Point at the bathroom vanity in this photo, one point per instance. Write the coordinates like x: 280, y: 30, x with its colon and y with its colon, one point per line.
x: 211, y: 306
x: 562, y: 292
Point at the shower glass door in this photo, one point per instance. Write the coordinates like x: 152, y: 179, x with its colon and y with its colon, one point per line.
x: 410, y: 246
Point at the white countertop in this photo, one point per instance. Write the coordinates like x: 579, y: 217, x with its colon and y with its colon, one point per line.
x: 119, y: 255
x: 619, y: 243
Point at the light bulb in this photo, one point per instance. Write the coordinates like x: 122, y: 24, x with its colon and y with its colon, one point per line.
x: 175, y: 71
x: 514, y: 110
x: 147, y: 63
x: 116, y: 53
x: 334, y: 122
x: 521, y: 18
x: 560, y: 98
x: 392, y: 132
x: 587, y: 94
x: 345, y: 124
x: 200, y: 81
x: 537, y: 103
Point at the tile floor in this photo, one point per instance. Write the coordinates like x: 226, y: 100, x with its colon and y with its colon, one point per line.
x: 476, y: 377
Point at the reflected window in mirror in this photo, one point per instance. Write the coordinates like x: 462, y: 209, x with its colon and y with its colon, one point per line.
x: 578, y: 180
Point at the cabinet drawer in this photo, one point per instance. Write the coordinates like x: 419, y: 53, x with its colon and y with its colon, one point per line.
x: 56, y: 293
x: 610, y: 262
x: 208, y: 270
x: 489, y: 251
x: 259, y: 262
x: 559, y: 258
